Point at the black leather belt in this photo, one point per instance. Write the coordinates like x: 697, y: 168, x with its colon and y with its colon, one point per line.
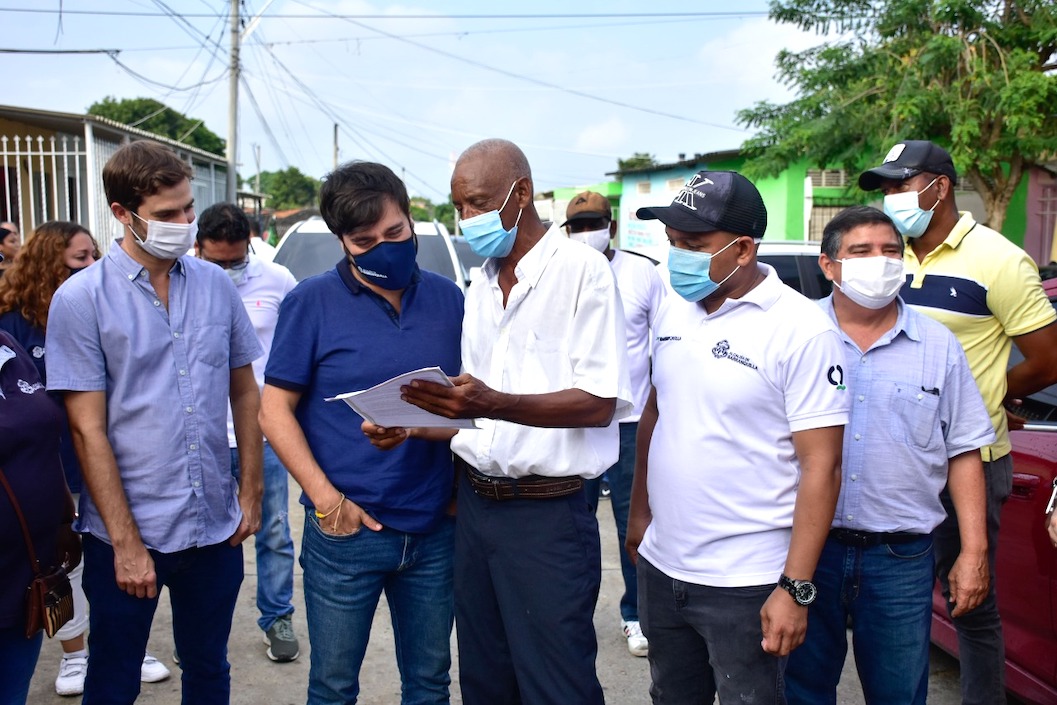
x: 869, y: 539
x: 531, y: 487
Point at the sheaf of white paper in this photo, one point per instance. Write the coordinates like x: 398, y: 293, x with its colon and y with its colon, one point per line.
x: 382, y: 405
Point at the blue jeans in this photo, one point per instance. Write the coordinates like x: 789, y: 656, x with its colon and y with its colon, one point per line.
x: 18, y: 659
x: 203, y: 586
x: 620, y: 477
x: 706, y: 640
x: 887, y: 591
x: 981, y: 649
x: 344, y: 577
x: 275, y: 548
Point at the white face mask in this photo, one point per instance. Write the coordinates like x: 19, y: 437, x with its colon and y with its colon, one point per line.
x: 237, y: 275
x: 167, y: 240
x: 871, y: 282
x: 598, y: 239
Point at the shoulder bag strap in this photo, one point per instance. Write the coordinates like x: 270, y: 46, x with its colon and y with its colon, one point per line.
x: 34, y: 563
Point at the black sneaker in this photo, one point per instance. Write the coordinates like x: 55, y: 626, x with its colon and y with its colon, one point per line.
x: 281, y: 640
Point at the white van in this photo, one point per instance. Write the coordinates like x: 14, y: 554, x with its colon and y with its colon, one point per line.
x: 309, y: 248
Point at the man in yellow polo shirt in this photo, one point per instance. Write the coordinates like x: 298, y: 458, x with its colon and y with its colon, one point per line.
x: 987, y: 291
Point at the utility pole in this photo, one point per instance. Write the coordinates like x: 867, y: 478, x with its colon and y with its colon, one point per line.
x: 257, y: 181
x: 257, y: 178
x: 335, y: 146
x: 233, y: 106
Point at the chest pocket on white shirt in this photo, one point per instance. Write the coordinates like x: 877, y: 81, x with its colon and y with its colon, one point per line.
x: 912, y: 417
x: 546, y: 365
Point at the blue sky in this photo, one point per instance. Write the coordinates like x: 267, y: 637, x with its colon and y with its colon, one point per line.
x: 413, y: 92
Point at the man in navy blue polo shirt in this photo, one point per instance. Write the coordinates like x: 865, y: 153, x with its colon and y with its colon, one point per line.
x: 372, y: 317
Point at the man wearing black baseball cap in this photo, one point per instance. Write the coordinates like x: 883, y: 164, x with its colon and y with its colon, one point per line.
x: 987, y: 291
x: 738, y: 463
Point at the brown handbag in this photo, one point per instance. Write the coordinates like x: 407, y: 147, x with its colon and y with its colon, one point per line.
x: 49, y: 598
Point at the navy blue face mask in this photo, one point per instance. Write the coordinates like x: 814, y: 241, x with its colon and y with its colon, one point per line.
x: 388, y: 264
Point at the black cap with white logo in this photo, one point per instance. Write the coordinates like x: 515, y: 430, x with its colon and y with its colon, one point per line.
x: 714, y: 200
x: 908, y: 159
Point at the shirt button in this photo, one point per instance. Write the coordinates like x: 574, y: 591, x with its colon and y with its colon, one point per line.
x: 176, y: 335
x: 183, y: 372
x: 921, y: 396
x: 197, y: 483
x: 189, y: 409
x: 131, y: 277
x: 849, y: 517
x: 854, y: 478
x: 157, y: 303
x: 862, y: 398
x: 858, y: 437
x: 862, y: 360
x: 193, y: 446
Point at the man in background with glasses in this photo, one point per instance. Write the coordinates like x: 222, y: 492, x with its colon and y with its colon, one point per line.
x: 224, y: 239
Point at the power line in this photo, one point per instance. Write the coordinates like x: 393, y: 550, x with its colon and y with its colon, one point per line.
x: 166, y: 86
x: 304, y: 16
x: 113, y: 52
x: 522, y: 77
x: 264, y: 123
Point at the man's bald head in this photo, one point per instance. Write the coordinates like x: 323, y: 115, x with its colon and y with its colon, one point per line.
x: 494, y: 161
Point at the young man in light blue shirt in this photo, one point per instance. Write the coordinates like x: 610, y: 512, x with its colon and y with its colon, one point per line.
x: 149, y: 347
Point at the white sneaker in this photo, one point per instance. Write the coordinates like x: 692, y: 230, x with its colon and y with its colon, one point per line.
x: 637, y: 643
x: 71, y: 675
x: 152, y: 670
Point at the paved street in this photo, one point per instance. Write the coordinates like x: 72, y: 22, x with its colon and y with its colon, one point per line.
x: 257, y: 680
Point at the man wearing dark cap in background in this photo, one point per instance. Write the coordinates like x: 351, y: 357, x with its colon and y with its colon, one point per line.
x: 738, y: 463
x: 987, y: 291
x: 589, y: 220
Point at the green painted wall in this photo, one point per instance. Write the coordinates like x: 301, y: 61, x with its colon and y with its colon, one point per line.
x: 1016, y: 223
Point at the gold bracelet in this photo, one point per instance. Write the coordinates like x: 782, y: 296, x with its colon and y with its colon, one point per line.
x: 321, y: 515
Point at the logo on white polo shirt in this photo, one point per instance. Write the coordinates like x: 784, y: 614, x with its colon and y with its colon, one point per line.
x: 835, y: 375
x: 722, y: 351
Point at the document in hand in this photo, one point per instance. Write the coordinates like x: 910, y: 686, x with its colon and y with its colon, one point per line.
x: 382, y: 405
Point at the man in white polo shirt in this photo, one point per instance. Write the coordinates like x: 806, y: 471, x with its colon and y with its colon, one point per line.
x: 738, y: 463
x: 224, y: 239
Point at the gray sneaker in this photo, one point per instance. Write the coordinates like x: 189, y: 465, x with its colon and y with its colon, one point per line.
x: 281, y: 640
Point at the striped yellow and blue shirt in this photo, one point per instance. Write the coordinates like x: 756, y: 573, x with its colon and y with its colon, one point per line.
x: 987, y: 291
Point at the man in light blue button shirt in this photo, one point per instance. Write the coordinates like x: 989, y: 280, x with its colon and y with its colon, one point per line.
x: 917, y: 425
x: 149, y: 346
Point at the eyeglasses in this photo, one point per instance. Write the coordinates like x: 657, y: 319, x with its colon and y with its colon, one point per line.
x: 235, y: 264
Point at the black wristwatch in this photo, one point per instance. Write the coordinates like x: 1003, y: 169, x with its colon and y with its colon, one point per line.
x: 803, y: 591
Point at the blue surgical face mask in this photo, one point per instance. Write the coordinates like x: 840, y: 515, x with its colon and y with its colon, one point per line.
x: 904, y: 211
x: 390, y: 265
x: 690, y: 272
x: 485, y: 232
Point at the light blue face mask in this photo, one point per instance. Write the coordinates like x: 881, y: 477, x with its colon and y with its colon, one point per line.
x: 690, y: 272
x: 910, y: 220
x: 485, y: 232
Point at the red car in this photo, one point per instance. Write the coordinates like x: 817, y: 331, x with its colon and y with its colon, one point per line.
x: 1027, y: 561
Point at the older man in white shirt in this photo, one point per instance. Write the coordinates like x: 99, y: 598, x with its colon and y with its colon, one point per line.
x: 546, y: 372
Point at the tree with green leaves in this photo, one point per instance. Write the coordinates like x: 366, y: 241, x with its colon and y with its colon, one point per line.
x: 153, y: 116
x: 638, y: 160
x: 976, y: 76
x: 289, y: 188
